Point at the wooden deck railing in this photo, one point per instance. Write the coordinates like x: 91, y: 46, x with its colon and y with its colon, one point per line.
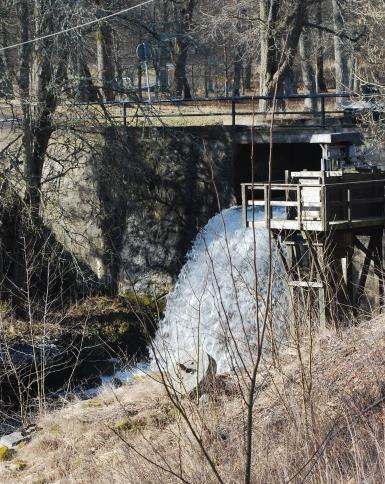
x: 314, y: 207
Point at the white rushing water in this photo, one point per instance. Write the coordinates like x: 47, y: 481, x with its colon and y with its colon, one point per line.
x: 213, y: 305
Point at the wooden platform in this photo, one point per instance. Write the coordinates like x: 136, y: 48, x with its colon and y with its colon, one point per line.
x: 317, y: 207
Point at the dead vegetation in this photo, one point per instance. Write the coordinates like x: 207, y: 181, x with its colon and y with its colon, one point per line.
x: 327, y: 430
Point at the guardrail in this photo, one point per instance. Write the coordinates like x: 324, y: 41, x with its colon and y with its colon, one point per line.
x: 314, y: 207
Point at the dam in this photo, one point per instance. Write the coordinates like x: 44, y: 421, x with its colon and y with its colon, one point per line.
x: 134, y: 201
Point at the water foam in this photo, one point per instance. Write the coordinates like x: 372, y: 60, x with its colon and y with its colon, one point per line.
x: 214, y: 305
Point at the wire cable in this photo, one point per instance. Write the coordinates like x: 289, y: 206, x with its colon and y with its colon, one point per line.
x: 70, y: 29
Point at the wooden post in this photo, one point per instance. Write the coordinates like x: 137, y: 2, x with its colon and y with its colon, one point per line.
x: 322, y: 210
x: 378, y: 271
x: 365, y: 268
x: 321, y: 291
x: 287, y: 194
x: 347, y: 274
x: 290, y: 266
x: 299, y: 208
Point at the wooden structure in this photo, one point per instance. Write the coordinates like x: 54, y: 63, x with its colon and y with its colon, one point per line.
x: 319, y: 218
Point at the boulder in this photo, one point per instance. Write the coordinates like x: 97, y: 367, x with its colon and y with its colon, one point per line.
x: 190, y: 373
x: 13, y: 440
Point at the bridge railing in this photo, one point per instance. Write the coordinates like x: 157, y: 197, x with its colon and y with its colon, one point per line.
x: 308, y: 109
x: 313, y: 108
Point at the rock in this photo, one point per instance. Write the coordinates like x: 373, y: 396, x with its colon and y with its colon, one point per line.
x: 116, y: 382
x: 13, y: 440
x: 30, y: 429
x: 191, y: 372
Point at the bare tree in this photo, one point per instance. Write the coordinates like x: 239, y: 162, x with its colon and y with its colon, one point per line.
x: 321, y: 83
x: 341, y: 52
x: 307, y: 68
x: 105, y: 58
x: 281, y: 28
x: 183, y: 14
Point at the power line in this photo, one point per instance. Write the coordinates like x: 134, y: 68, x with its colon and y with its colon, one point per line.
x: 70, y: 29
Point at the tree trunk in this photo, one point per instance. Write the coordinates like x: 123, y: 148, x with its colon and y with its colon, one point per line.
x: 18, y: 275
x: 237, y: 73
x: 85, y: 91
x: 308, y: 77
x: 247, y: 76
x: 140, y: 76
x: 6, y: 87
x: 206, y: 75
x: 48, y: 80
x: 118, y: 68
x: 183, y: 11
x: 353, y: 72
x: 181, y: 84
x: 106, y: 75
x: 163, y: 58
x: 290, y: 82
x: 6, y: 90
x: 226, y: 69
x: 320, y: 79
x: 277, y: 59
x: 341, y: 51
x: 165, y: 48
x: 268, y: 63
x: 24, y: 81
x: 37, y: 123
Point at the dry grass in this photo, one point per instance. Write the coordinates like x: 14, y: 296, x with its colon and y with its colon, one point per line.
x: 329, y: 430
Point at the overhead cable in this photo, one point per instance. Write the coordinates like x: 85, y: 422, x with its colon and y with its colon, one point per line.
x: 70, y: 29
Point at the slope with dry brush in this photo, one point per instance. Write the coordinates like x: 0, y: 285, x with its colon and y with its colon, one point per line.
x: 327, y: 429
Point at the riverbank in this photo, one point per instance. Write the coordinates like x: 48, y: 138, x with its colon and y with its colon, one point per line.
x: 323, y: 422
x: 70, y: 353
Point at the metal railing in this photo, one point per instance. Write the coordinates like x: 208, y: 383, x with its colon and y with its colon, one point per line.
x: 326, y: 104
x: 230, y: 110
